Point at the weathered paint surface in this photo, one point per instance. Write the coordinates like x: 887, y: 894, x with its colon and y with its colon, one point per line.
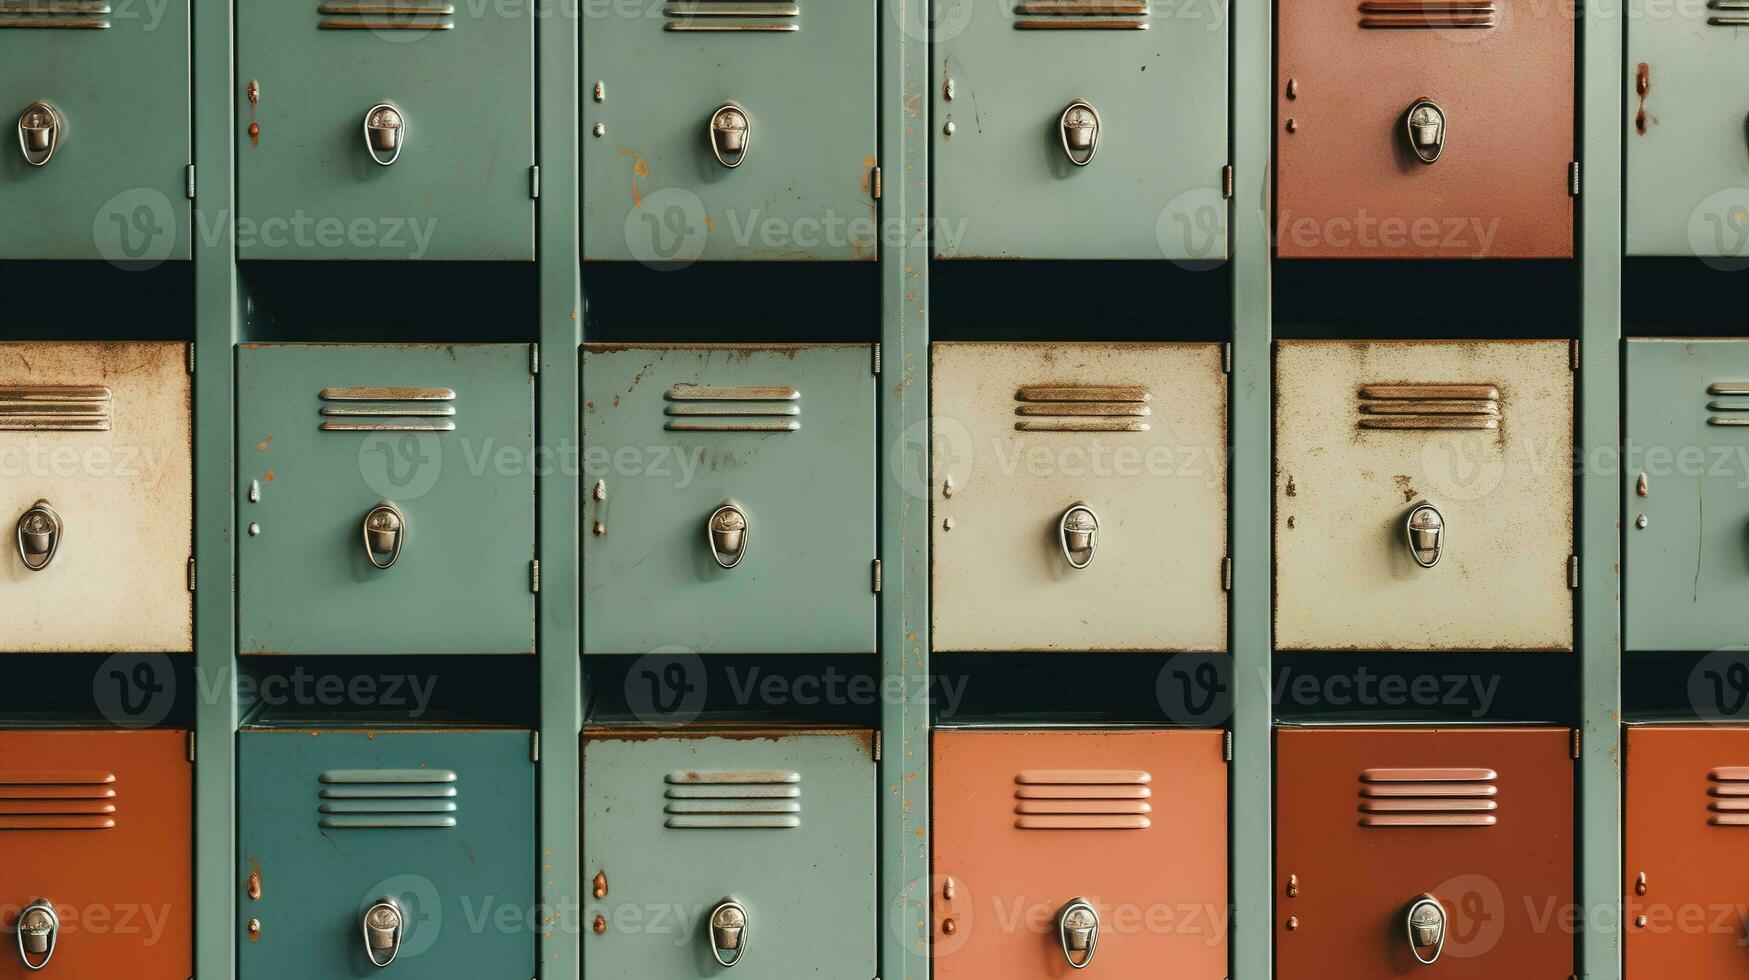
x: 124, y: 893
x: 652, y: 189
x: 808, y: 889
x: 1343, y: 888
x: 461, y: 583
x: 998, y: 495
x: 124, y: 497
x: 1345, y: 578
x: 805, y: 583
x: 116, y: 186
x: 1348, y: 183
x: 1160, y: 890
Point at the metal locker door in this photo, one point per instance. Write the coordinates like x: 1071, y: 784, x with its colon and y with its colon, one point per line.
x: 357, y: 849
x: 721, y: 847
x: 1120, y: 446
x: 1057, y: 851
x: 94, y: 442
x: 391, y: 488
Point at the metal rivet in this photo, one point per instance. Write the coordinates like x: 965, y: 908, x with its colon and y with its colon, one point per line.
x: 599, y: 529
x: 254, y: 491
x: 1293, y: 886
x: 254, y: 929
x: 601, y: 91
x: 947, y: 888
x: 1639, y: 922
x: 1293, y: 88
x: 1293, y: 126
x: 947, y: 487
x: 947, y: 524
x: 600, y: 884
x: 600, y: 129
x: 255, y: 885
x: 947, y: 90
x: 1641, y: 522
x: 600, y: 491
x: 1640, y: 884
x: 254, y: 529
x: 949, y: 927
x: 1641, y: 488
x: 1293, y: 923
x: 600, y: 925
x: 948, y: 129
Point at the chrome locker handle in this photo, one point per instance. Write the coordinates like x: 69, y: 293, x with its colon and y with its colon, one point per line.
x: 1078, y: 534
x: 40, y: 128
x: 38, y: 929
x: 1425, y: 924
x: 383, y: 925
x: 728, y: 933
x: 730, y: 134
x: 385, y: 133
x: 1078, y: 933
x: 385, y: 534
x: 1079, y: 127
x: 39, y: 536
x: 1425, y: 125
x: 1425, y: 528
x: 727, y: 532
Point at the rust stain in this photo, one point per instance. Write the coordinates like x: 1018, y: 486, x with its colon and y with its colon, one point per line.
x: 254, y: 135
x: 1403, y: 487
x: 1290, y: 522
x: 640, y: 168
x: 1292, y: 490
x: 709, y: 225
x: 268, y: 476
x: 1642, y: 85
x: 914, y: 104
x: 254, y: 127
x: 262, y: 445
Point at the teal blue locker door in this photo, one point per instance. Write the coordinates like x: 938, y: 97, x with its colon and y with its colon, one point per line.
x: 385, y: 499
x: 785, y: 172
x: 1064, y: 133
x: 450, y: 176
x: 729, y: 499
x: 436, y: 824
x: 1685, y: 479
x: 99, y: 169
x: 778, y: 823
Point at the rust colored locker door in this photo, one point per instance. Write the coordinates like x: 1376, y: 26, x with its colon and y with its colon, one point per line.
x: 1687, y: 843
x: 1397, y: 848
x: 1415, y: 129
x: 96, y: 854
x: 1058, y: 850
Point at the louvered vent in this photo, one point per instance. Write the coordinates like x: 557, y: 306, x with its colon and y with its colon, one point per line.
x: 1728, y: 796
x: 1083, y: 408
x: 1428, y: 798
x: 1728, y: 13
x: 57, y: 800
x: 1425, y: 14
x: 376, y: 799
x: 769, y: 16
x: 1430, y: 406
x: 750, y: 408
x: 1082, y: 799
x: 1081, y: 15
x: 54, y: 408
x: 1730, y: 398
x: 54, y: 15
x: 734, y: 799
x: 388, y: 410
x: 385, y: 15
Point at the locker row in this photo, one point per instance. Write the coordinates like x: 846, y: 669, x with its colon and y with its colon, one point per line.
x: 1054, y: 851
x: 726, y: 129
x: 730, y: 496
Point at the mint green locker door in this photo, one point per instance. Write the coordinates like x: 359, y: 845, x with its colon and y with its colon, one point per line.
x: 729, y: 129
x: 1684, y: 480
x: 94, y: 95
x: 1080, y: 131
x: 411, y: 849
x: 385, y: 498
x: 719, y: 847
x: 372, y: 130
x: 729, y: 499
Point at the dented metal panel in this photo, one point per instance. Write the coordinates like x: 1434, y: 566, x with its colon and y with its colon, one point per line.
x: 729, y: 498
x: 410, y: 531
x: 98, y: 493
x: 1027, y: 822
x: 1121, y: 447
x: 99, y: 825
x: 677, y: 826
x: 1414, y: 129
x: 1423, y: 495
x: 720, y: 129
x: 437, y: 825
x: 1470, y: 830
x: 1079, y: 129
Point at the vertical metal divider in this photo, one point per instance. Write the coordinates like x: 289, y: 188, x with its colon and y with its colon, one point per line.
x: 1252, y: 479
x: 216, y: 326
x: 902, y: 400
x: 1601, y: 113
x: 558, y: 459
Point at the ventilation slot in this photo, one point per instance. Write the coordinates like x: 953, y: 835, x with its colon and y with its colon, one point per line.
x: 765, y: 799
x: 775, y: 16
x: 386, y: 15
x: 57, y: 800
x: 1732, y: 397
x: 1081, y: 15
x: 1428, y: 798
x: 1430, y: 406
x: 1082, y: 408
x: 54, y: 15
x: 1424, y: 14
x: 1077, y: 799
x: 388, y: 410
x: 375, y: 799
x: 58, y: 408
x: 753, y: 408
x: 1728, y: 797
x: 1728, y: 13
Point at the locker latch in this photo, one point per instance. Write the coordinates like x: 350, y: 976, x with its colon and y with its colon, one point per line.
x: 729, y: 932
x: 385, y: 132
x: 1079, y: 128
x: 39, y: 536
x: 1078, y: 933
x: 1425, y: 528
x: 383, y: 924
x: 726, y: 530
x: 730, y: 135
x: 385, y: 533
x: 1078, y: 534
x: 1425, y: 122
x: 39, y: 132
x: 38, y: 929
x: 1425, y: 923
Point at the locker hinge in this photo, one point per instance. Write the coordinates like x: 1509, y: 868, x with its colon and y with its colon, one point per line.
x: 1227, y: 745
x: 876, y: 575
x: 1573, y: 178
x: 876, y: 365
x: 1573, y: 353
x: 875, y: 746
x: 534, y: 746
x: 1227, y: 181
x: 533, y: 358
x: 1227, y: 358
x: 1572, y: 571
x: 190, y: 175
x: 191, y: 746
x: 190, y: 358
x: 1576, y: 742
x: 191, y: 574
x: 534, y: 576
x: 874, y: 182
x: 534, y: 182
x: 1226, y: 574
